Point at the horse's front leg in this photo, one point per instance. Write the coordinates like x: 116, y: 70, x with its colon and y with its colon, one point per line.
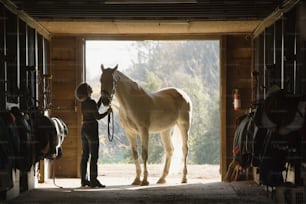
x: 145, y: 143
x: 133, y: 142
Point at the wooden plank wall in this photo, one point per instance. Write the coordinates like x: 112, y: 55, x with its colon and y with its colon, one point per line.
x: 66, y: 55
x: 238, y: 68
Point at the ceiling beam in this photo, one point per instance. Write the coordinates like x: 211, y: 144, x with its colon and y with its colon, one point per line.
x: 125, y: 27
x: 149, y: 1
x: 26, y: 18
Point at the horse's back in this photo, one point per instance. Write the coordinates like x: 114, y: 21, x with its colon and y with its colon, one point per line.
x: 178, y: 95
x: 179, y: 102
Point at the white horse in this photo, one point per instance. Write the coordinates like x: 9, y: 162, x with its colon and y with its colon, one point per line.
x: 142, y: 113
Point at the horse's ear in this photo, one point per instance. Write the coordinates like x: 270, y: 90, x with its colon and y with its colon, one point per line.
x: 116, y: 67
x: 102, y: 67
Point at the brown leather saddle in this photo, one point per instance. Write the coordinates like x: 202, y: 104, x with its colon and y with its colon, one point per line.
x: 281, y: 108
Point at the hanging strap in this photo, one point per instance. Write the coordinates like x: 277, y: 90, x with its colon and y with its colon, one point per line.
x: 53, y: 174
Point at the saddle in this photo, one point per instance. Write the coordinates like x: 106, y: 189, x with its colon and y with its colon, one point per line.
x: 24, y: 160
x: 280, y: 108
x: 45, y: 136
x: 280, y: 111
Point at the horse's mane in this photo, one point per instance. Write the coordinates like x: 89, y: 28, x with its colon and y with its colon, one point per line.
x: 119, y: 76
x: 134, y: 85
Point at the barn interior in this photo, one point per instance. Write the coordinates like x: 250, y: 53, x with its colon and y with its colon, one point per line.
x: 262, y: 44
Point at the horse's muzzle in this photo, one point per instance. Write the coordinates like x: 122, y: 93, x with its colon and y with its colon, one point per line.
x: 106, y: 98
x: 106, y: 101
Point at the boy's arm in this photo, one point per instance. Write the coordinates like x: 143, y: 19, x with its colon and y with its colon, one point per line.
x: 99, y: 102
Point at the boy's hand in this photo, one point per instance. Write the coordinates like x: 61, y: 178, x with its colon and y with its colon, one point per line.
x: 109, y: 110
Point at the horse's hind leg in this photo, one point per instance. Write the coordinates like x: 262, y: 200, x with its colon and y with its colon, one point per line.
x: 184, y: 128
x: 168, y: 148
x: 145, y: 142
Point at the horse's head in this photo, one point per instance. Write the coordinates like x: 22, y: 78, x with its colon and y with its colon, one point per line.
x: 108, y: 84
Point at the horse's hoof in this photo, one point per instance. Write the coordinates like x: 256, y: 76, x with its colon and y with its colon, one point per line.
x: 144, y: 183
x: 161, y: 181
x: 136, y: 182
x: 184, y: 180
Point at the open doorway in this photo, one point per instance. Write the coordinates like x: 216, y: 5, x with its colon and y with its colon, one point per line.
x: 192, y: 65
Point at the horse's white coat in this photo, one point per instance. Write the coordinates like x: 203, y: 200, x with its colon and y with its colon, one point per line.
x: 142, y: 113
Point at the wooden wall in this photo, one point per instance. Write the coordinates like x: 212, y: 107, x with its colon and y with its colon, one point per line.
x: 236, y: 72
x: 66, y: 54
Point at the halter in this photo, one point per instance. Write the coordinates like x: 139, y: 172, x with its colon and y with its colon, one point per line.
x: 110, y: 118
x: 110, y: 95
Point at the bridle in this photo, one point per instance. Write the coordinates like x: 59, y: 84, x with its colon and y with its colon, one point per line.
x: 110, y: 116
x: 109, y: 96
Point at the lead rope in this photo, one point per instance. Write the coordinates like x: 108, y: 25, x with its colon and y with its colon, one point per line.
x: 53, y: 174
x: 111, y: 115
x: 110, y: 134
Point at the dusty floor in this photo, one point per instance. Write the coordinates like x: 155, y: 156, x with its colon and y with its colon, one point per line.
x: 204, y: 186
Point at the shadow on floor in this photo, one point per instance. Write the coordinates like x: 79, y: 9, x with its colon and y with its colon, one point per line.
x: 215, y: 192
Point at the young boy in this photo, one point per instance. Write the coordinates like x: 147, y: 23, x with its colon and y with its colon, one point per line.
x: 89, y: 134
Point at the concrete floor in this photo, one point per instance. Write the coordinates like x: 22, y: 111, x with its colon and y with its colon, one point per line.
x: 196, y: 191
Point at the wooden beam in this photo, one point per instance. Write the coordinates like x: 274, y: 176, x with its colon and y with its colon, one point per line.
x: 149, y: 27
x: 273, y: 17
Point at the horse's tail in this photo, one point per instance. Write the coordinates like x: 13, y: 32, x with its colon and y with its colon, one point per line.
x: 177, y: 157
x: 184, y: 124
x: 185, y: 105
